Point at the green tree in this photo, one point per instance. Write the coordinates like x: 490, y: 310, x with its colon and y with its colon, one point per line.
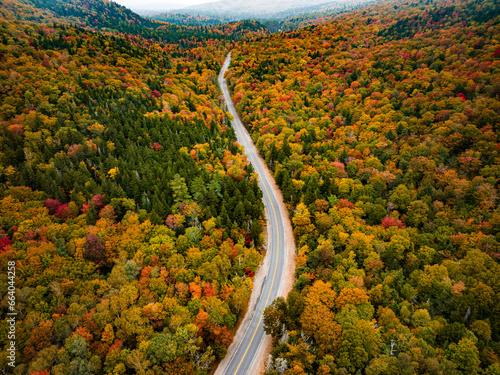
x: 179, y: 189
x: 401, y: 197
x: 466, y: 356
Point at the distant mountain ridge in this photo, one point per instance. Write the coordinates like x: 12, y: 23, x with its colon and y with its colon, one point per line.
x: 256, y: 9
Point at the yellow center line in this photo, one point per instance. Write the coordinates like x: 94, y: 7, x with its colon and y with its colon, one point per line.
x: 278, y: 238
x: 275, y: 265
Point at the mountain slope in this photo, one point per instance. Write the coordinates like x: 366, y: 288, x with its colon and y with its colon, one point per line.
x: 97, y: 14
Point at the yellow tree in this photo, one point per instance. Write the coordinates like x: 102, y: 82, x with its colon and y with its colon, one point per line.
x: 318, y: 317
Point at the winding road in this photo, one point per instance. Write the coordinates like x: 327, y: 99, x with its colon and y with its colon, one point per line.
x: 245, y: 359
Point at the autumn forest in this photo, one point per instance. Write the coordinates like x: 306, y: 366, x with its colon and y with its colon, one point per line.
x: 136, y: 222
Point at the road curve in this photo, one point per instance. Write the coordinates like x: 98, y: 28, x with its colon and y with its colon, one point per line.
x: 244, y: 359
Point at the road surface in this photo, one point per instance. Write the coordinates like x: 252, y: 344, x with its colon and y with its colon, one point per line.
x: 244, y: 361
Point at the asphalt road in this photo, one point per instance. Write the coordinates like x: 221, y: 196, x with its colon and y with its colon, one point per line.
x: 244, y: 359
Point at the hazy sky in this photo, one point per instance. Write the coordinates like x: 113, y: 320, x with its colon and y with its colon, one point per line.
x: 159, y: 4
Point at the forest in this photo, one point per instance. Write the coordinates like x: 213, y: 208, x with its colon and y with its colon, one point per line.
x: 136, y: 223
x: 381, y: 129
x: 121, y: 188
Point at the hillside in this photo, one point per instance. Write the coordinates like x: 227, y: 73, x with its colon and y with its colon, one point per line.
x: 109, y: 17
x: 381, y: 128
x: 121, y: 189
x: 98, y: 14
